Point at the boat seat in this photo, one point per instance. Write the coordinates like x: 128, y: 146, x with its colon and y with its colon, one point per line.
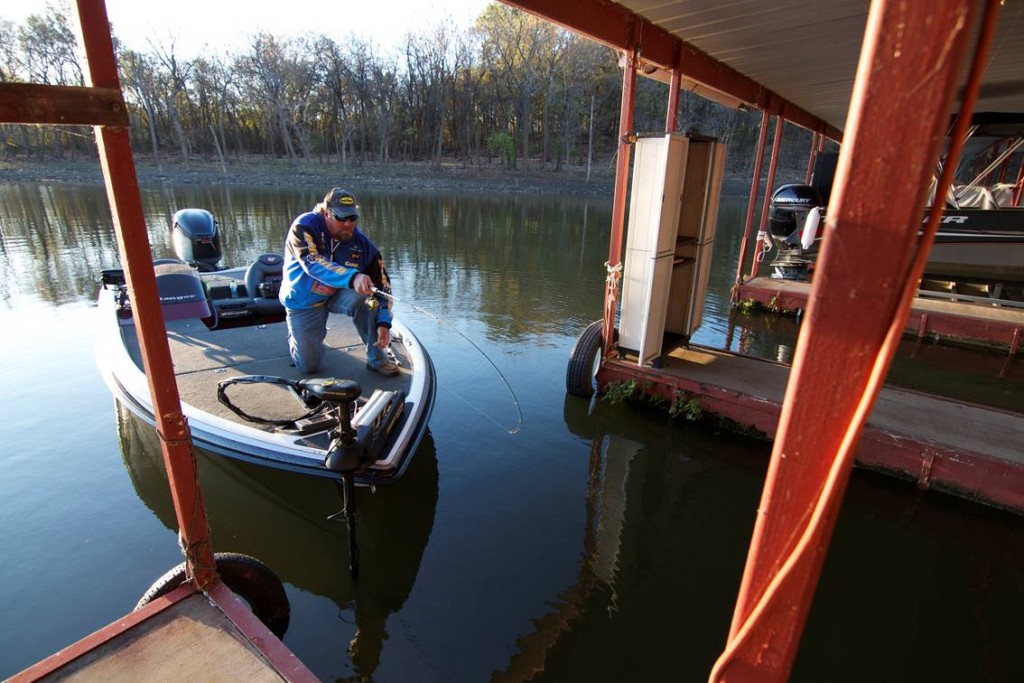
x: 263, y: 281
x: 181, y: 291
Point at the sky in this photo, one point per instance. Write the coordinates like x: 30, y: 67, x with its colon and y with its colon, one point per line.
x: 198, y: 26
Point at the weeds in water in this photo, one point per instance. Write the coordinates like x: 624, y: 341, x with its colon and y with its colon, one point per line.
x: 747, y: 306
x: 686, y: 405
x: 632, y: 391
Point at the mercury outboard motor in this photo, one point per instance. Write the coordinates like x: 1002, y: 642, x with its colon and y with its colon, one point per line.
x: 197, y: 239
x: 793, y: 218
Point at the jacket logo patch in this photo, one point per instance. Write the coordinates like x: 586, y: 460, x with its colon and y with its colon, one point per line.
x: 322, y: 289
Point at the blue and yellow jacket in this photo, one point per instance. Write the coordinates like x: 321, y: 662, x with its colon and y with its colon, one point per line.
x: 316, y: 265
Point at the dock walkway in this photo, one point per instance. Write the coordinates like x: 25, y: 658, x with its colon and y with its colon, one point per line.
x: 972, y: 322
x: 958, y: 447
x: 182, y: 636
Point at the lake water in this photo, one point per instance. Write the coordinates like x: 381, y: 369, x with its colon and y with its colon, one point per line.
x: 603, y: 547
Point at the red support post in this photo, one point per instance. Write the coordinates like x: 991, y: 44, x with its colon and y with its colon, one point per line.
x: 614, y: 265
x: 1020, y: 184
x: 811, y: 157
x: 904, y: 82
x: 136, y: 256
x: 780, y: 124
x: 755, y: 184
x: 672, y: 114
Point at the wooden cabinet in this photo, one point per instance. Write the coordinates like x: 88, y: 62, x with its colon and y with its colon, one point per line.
x: 677, y: 181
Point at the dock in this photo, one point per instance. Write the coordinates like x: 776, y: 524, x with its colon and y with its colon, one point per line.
x: 185, y: 635
x: 961, y: 448
x: 991, y: 323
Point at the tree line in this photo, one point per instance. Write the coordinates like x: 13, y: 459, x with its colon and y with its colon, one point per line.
x: 513, y: 90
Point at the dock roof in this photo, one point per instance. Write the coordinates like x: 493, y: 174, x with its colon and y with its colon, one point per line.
x: 794, y: 57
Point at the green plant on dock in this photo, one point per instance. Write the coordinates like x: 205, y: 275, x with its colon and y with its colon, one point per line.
x: 686, y: 405
x: 747, y: 306
x: 632, y: 391
x: 619, y: 392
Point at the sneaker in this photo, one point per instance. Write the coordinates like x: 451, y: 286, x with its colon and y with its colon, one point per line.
x: 388, y: 368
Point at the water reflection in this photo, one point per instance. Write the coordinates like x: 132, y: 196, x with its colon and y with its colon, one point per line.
x: 477, y: 253
x: 655, y: 584
x: 282, y: 520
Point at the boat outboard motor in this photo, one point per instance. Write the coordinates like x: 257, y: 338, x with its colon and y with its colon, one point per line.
x: 197, y: 239
x: 793, y: 218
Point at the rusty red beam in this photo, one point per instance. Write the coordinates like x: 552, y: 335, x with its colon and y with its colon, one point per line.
x: 619, y: 201
x: 906, y: 82
x: 137, y: 259
x: 61, y: 105
x: 672, y: 113
x: 810, y: 159
x: 1020, y: 184
x: 780, y: 126
x: 615, y: 26
x: 755, y: 185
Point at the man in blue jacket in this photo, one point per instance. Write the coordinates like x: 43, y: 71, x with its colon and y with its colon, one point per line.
x: 330, y: 266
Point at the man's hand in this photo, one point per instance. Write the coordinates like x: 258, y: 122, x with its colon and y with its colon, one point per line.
x: 362, y: 284
x: 383, y: 337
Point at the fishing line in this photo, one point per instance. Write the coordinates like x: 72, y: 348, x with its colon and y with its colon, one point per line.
x: 515, y: 399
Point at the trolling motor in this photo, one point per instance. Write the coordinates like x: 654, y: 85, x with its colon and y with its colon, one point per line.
x: 357, y: 440
x: 346, y: 454
x: 794, y: 215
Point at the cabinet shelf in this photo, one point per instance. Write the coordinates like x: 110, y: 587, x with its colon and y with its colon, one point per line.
x: 683, y: 261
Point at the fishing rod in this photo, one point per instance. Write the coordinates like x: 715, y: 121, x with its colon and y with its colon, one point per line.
x: 515, y: 400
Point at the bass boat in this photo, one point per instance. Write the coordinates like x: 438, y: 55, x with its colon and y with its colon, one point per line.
x: 239, y: 391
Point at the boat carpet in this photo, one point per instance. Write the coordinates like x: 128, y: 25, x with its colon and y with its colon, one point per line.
x: 202, y: 358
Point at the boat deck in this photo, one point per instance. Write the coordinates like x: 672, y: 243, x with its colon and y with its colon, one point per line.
x: 183, y: 636
x: 203, y: 357
x: 973, y: 322
x: 949, y: 445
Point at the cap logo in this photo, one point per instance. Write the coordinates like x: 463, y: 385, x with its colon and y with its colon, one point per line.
x: 346, y: 201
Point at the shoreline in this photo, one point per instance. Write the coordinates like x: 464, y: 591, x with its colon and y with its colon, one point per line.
x: 450, y: 176
x: 397, y: 175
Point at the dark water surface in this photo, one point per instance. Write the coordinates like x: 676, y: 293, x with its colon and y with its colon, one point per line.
x: 602, y: 547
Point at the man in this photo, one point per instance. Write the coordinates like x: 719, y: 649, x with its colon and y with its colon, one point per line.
x: 330, y: 266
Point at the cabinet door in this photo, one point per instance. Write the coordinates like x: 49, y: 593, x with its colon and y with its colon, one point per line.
x: 646, y: 194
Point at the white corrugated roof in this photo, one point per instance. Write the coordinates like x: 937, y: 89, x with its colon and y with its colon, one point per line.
x: 807, y: 50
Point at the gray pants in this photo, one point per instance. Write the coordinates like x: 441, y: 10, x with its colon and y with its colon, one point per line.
x: 307, y: 329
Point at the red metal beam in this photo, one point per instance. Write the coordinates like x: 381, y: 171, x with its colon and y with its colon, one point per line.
x: 61, y: 105
x: 810, y: 159
x: 672, y: 114
x: 614, y: 264
x: 1020, y: 184
x: 755, y: 185
x: 130, y: 227
x: 905, y: 83
x: 780, y: 126
x: 614, y: 25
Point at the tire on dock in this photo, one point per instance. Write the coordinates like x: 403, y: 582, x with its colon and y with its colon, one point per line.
x: 248, y: 578
x: 583, y: 359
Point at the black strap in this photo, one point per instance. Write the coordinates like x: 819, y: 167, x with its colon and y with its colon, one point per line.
x: 293, y: 385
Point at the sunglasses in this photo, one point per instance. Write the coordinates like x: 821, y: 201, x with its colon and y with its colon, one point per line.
x: 346, y: 219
